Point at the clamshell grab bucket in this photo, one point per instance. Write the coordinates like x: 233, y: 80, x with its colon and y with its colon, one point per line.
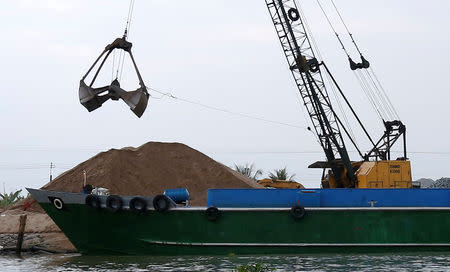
x: 93, y: 98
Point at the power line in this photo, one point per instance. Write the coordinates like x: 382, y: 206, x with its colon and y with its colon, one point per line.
x: 41, y: 166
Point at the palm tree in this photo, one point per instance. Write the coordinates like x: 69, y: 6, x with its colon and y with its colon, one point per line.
x: 281, y: 174
x: 248, y: 170
x: 11, y: 198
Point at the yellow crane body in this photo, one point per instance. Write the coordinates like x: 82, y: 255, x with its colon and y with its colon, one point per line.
x: 373, y: 174
x: 384, y: 174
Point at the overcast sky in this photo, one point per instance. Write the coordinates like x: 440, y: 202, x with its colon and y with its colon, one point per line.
x: 222, y: 54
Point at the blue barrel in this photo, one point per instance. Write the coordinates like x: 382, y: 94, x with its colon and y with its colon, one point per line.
x: 179, y: 195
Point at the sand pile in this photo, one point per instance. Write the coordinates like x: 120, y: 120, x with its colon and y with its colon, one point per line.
x: 150, y: 169
x: 147, y: 170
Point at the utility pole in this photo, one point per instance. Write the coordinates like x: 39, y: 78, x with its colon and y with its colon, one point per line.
x: 51, y: 167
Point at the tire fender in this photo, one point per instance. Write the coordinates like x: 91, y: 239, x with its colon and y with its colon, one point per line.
x: 212, y: 214
x: 298, y: 212
x: 93, y: 201
x: 114, y: 203
x: 138, y: 204
x: 57, y: 202
x: 161, y: 203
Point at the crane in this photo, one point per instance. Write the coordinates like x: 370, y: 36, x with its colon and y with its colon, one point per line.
x: 375, y: 169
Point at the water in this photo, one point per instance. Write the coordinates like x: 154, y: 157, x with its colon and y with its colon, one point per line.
x: 372, y: 262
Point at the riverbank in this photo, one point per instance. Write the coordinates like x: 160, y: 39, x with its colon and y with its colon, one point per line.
x: 41, y: 233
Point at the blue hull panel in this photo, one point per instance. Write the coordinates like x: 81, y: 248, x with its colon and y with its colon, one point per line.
x: 261, y: 198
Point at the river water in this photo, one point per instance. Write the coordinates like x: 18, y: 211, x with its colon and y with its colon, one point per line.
x: 372, y: 262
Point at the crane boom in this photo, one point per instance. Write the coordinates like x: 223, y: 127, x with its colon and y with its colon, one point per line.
x: 304, y: 66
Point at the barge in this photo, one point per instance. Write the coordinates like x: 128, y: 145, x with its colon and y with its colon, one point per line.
x: 255, y: 221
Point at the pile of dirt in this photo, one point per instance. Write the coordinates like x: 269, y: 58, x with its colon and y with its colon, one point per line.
x: 443, y: 183
x: 150, y: 169
x: 147, y: 170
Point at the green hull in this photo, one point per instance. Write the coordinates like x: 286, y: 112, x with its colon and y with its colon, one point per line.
x: 187, y: 231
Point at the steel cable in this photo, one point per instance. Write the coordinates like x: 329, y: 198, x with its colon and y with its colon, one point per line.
x: 384, y: 92
x: 170, y: 95
x: 333, y: 89
x: 363, y: 87
x: 381, y: 97
x: 384, y: 98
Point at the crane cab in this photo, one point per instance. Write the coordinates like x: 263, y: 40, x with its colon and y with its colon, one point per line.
x: 385, y: 174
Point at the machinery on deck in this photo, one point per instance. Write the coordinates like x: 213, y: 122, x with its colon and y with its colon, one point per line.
x: 376, y: 169
x: 280, y: 184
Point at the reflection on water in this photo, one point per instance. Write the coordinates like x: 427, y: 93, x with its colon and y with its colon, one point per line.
x: 372, y: 262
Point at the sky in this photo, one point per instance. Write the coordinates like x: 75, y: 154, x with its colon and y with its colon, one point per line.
x: 225, y: 57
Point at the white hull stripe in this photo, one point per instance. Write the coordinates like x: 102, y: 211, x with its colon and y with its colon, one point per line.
x: 301, y: 244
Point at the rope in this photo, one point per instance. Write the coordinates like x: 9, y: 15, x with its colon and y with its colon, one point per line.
x: 170, y: 95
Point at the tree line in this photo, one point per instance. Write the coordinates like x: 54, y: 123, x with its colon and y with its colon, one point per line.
x: 250, y: 171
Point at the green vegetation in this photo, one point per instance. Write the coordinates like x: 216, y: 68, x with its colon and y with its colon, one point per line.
x: 281, y: 174
x: 248, y: 170
x: 258, y: 267
x: 11, y: 198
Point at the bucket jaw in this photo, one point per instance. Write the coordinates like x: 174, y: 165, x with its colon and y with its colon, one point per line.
x: 93, y: 98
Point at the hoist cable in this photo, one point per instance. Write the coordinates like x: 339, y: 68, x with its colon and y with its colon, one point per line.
x: 345, y: 25
x: 118, y: 63
x: 327, y: 76
x: 363, y: 87
x: 125, y: 35
x: 373, y: 89
x: 129, y: 17
x: 334, y: 30
x: 376, y: 83
x: 382, y: 98
x: 384, y: 92
x: 358, y: 77
x: 373, y: 95
x: 113, y: 65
